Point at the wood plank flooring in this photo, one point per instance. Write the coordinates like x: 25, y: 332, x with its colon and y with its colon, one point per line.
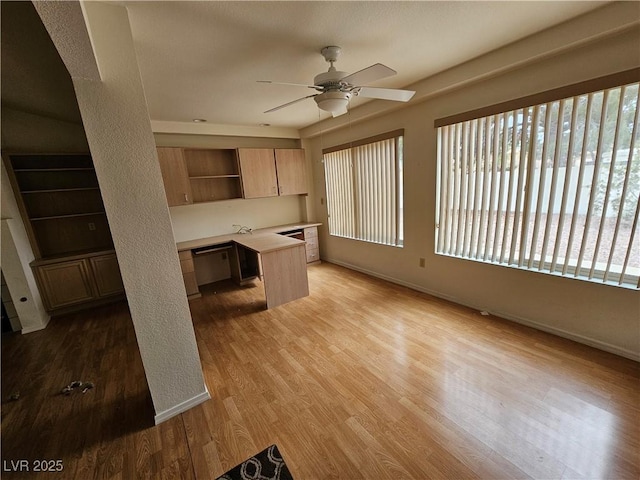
x: 361, y: 380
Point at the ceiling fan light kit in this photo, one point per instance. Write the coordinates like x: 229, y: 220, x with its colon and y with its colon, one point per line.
x: 337, y: 88
x: 333, y: 101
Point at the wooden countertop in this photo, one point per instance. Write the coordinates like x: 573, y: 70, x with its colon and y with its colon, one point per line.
x: 262, y: 240
x: 268, y: 242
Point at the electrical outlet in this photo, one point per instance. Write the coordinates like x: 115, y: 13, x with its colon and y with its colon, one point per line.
x: 92, y: 226
x: 422, y: 262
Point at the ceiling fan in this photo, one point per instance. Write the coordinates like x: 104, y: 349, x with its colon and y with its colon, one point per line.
x: 337, y: 88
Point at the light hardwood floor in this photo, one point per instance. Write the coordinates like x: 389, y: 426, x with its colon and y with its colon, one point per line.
x: 362, y: 379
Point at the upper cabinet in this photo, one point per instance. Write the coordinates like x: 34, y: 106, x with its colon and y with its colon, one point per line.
x: 292, y: 172
x: 258, y: 167
x: 213, y: 174
x: 175, y: 176
x: 268, y: 173
x: 195, y: 175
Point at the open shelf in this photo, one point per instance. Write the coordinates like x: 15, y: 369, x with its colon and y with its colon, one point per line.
x: 56, y: 217
x: 60, y: 200
x: 51, y: 162
x: 53, y: 169
x: 56, y: 190
x: 37, y: 180
x: 213, y: 174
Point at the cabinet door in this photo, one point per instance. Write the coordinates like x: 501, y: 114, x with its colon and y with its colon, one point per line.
x: 175, y: 176
x: 188, y: 272
x: 311, y: 237
x: 65, y: 283
x: 258, y: 172
x: 292, y: 172
x: 107, y: 275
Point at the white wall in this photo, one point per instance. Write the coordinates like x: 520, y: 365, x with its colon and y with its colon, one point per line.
x: 15, y: 259
x: 603, y: 316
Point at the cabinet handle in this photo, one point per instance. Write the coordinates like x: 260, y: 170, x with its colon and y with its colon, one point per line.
x: 186, y: 198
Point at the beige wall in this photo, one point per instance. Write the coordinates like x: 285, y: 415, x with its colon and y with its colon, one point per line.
x: 604, y: 316
x: 217, y: 218
x: 32, y: 133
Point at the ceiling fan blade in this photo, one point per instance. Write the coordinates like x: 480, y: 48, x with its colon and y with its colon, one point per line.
x: 289, y: 103
x: 386, y: 93
x: 369, y: 74
x: 284, y: 83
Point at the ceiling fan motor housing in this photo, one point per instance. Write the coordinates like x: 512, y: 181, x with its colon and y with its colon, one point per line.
x: 337, y: 88
x: 329, y: 79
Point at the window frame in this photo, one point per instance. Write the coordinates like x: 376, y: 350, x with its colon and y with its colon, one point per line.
x: 534, y: 102
x: 398, y: 165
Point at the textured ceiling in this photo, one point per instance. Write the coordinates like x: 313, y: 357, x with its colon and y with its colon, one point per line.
x: 34, y: 79
x: 202, y: 59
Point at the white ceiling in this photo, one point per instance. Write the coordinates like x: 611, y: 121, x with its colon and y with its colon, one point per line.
x: 203, y: 59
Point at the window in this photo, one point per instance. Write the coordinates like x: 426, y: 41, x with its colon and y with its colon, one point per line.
x: 551, y: 187
x: 364, y: 189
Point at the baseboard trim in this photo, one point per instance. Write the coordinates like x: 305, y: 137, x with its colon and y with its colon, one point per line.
x: 600, y: 345
x: 182, y: 407
x: 37, y: 328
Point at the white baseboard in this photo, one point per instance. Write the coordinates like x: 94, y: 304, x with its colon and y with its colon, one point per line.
x: 183, y: 407
x: 36, y: 328
x: 607, y: 347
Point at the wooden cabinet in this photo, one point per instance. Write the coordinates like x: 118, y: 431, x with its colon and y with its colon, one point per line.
x: 65, y: 283
x: 310, y: 236
x: 196, y: 175
x: 193, y: 175
x: 292, y: 172
x: 189, y: 273
x: 174, y: 174
x: 214, y: 174
x: 61, y: 205
x: 266, y: 172
x: 312, y: 250
x: 258, y: 168
x: 60, y: 201
x: 80, y: 281
x: 106, y: 273
x: 244, y: 264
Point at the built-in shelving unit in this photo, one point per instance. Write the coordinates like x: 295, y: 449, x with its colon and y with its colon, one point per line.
x: 61, y: 201
x: 213, y: 174
x: 59, y: 198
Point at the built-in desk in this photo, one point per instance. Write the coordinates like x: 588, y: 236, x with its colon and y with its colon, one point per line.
x: 281, y: 261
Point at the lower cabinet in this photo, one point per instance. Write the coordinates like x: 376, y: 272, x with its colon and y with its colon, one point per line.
x: 311, y: 237
x: 78, y: 281
x: 107, y: 275
x: 189, y: 273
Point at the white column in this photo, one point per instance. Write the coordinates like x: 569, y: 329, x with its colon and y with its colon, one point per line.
x: 118, y: 128
x: 16, y: 256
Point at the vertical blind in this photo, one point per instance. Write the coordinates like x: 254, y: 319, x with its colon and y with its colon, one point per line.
x: 364, y: 190
x: 552, y: 187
